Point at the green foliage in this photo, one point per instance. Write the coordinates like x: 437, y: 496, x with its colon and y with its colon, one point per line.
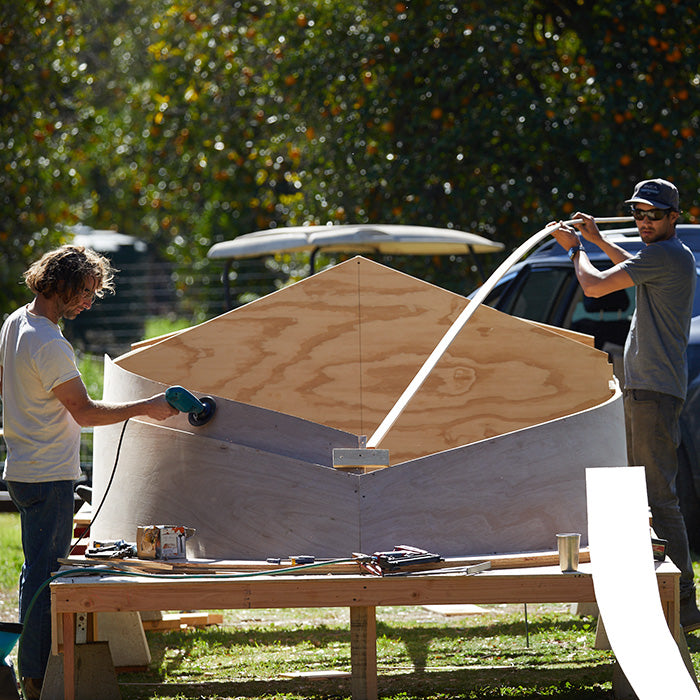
x: 12, y: 557
x: 189, y: 124
x: 92, y: 371
x: 156, y: 327
x: 41, y: 79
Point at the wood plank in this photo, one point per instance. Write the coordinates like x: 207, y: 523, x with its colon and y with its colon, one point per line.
x: 176, y: 621
x: 541, y: 584
x: 67, y: 622
x: 83, y: 517
x: 363, y: 652
x: 196, y: 565
x: 316, y: 675
x: 626, y: 587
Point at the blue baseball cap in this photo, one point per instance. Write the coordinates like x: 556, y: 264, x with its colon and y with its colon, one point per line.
x: 656, y: 193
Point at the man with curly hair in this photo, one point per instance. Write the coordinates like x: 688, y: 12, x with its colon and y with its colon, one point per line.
x: 45, y: 404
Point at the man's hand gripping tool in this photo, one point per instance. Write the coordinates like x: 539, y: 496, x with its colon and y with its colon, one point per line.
x: 200, y: 410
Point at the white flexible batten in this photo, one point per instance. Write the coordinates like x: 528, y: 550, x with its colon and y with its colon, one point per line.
x: 467, y: 313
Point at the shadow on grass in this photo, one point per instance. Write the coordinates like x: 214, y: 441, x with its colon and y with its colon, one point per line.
x: 517, y: 667
x: 417, y: 639
x: 468, y: 683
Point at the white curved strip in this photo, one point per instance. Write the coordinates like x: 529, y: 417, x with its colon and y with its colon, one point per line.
x: 626, y: 587
x: 461, y: 320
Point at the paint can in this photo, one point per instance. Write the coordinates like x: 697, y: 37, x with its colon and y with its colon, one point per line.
x: 162, y: 541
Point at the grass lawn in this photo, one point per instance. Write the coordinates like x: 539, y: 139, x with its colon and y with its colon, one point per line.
x: 420, y: 653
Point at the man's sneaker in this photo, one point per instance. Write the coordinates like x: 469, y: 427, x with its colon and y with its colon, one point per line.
x: 690, y: 615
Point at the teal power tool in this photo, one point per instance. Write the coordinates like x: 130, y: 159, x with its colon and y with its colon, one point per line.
x: 200, y: 411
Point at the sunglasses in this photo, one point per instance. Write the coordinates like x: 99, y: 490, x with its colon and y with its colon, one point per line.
x: 651, y: 214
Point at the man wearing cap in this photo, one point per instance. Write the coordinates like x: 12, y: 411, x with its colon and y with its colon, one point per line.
x: 656, y: 371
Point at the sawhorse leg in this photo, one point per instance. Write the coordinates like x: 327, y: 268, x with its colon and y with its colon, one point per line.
x: 85, y: 669
x: 363, y: 652
x: 68, y: 624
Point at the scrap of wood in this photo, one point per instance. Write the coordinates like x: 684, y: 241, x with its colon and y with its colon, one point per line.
x: 316, y: 675
x: 174, y: 621
x: 83, y: 516
x: 458, y: 610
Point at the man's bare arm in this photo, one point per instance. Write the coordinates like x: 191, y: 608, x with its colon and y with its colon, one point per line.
x: 88, y: 412
x: 598, y: 283
x: 594, y: 282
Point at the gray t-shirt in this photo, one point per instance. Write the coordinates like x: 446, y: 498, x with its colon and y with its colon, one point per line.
x: 655, y: 351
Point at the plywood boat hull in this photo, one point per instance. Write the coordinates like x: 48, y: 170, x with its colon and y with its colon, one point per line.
x: 488, y: 458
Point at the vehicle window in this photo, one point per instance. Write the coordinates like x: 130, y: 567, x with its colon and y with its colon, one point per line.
x: 611, y: 307
x: 493, y: 298
x: 606, y: 318
x: 538, y: 294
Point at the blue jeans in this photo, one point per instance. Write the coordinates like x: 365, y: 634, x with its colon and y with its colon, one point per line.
x: 653, y: 436
x: 46, y: 514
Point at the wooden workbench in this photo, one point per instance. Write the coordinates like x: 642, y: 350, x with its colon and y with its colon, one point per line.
x: 361, y: 593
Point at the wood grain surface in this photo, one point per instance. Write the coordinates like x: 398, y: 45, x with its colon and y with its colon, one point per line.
x: 340, y: 347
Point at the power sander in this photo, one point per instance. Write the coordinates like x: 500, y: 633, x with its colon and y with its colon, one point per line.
x: 200, y: 411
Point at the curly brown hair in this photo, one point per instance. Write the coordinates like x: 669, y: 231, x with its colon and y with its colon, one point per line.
x: 65, y: 271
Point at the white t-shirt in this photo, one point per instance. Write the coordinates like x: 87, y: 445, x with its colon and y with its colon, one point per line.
x: 42, y: 438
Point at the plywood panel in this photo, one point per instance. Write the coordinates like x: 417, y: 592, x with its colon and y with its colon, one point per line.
x: 311, y: 349
x: 238, y: 423
x: 340, y: 347
x: 511, y: 493
x: 243, y: 502
x: 495, y: 378
x: 506, y: 494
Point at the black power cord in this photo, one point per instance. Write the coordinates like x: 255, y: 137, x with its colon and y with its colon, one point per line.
x: 104, y: 495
